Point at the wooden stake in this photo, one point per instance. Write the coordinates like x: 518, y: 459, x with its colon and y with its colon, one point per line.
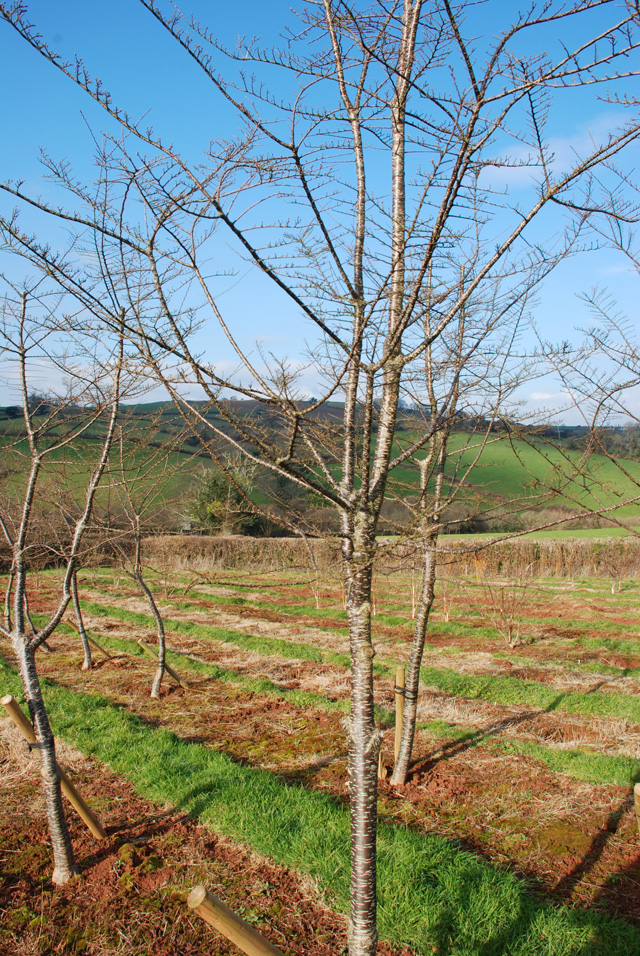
x: 399, y: 692
x: 91, y: 641
x: 102, y: 649
x: 636, y: 803
x: 382, y: 770
x: 84, y: 811
x: 241, y: 934
x: 169, y: 669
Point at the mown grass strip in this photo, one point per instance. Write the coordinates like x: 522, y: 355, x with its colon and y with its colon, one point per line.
x: 298, y: 610
x: 291, y: 650
x: 588, y: 766
x: 490, y: 634
x: 611, y: 645
x: 433, y: 895
x: 483, y: 633
x: 497, y: 689
x: 254, y: 685
x: 514, y: 691
x: 487, y: 633
x: 582, y: 765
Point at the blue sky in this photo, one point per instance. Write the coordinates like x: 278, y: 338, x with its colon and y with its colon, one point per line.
x: 141, y: 66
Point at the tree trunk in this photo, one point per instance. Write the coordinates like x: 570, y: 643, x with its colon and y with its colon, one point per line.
x: 63, y: 859
x: 7, y: 599
x: 412, y: 683
x: 157, y: 680
x: 87, y: 662
x: 364, y: 746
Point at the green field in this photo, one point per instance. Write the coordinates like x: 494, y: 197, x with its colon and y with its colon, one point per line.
x: 533, y: 473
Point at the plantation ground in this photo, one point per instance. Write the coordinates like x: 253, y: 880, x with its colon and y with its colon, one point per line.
x: 515, y: 832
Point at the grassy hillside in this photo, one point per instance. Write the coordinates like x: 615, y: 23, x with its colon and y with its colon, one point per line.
x: 519, y: 469
x: 532, y: 472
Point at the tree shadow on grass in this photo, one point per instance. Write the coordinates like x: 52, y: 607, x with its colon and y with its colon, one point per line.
x: 159, y: 823
x: 599, y: 842
x: 516, y: 923
x: 623, y: 886
x: 473, y: 893
x: 522, y: 926
x: 473, y: 738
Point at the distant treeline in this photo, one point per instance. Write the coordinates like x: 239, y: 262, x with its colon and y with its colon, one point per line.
x: 618, y: 440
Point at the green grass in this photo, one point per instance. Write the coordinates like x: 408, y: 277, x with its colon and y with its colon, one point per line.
x: 562, y: 534
x: 579, y: 764
x: 263, y: 645
x: 585, y: 765
x: 497, y: 689
x: 611, y: 645
x: 587, y: 533
x: 454, y: 627
x: 185, y: 664
x: 433, y: 896
x: 505, y: 470
x: 513, y: 690
x: 522, y: 470
x: 299, y: 610
x: 70, y: 468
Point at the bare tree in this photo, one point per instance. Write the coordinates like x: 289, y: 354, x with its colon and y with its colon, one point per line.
x: 602, y: 379
x: 374, y: 200
x: 141, y: 474
x: 31, y: 332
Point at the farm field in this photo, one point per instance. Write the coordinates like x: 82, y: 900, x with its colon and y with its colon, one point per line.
x: 515, y: 832
x: 507, y: 468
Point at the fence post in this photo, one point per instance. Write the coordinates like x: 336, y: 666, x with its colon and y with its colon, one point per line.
x: 83, y: 810
x: 244, y: 936
x: 399, y: 694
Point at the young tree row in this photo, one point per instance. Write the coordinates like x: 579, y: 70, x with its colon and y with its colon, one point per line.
x: 403, y: 200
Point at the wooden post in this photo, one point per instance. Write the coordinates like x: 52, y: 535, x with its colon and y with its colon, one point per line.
x: 84, y: 811
x: 91, y: 641
x: 399, y: 692
x: 102, y: 649
x: 382, y: 770
x: 636, y: 803
x: 169, y: 669
x: 241, y: 934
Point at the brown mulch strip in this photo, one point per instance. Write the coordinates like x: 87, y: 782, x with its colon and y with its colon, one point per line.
x: 130, y: 896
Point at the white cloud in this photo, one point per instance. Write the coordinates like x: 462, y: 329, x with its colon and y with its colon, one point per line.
x: 555, y: 397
